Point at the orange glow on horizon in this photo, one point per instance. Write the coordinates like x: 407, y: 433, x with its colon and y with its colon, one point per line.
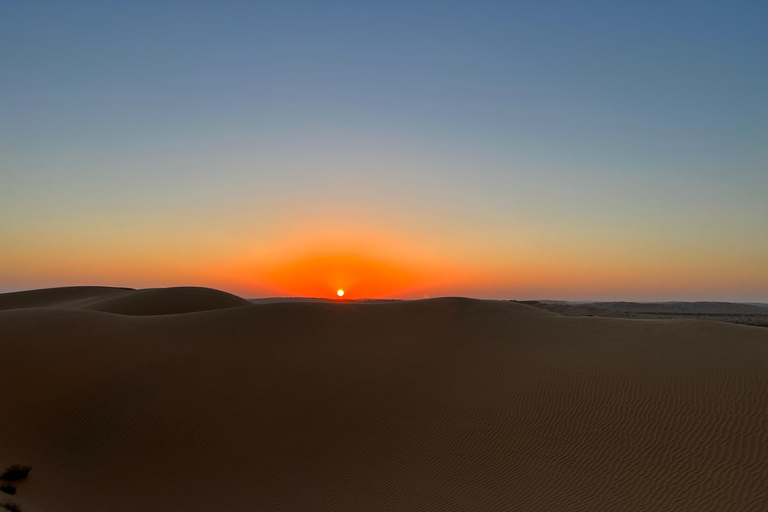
x: 364, y: 261
x: 312, y: 261
x: 331, y: 274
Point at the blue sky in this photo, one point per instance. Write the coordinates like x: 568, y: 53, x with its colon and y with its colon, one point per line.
x: 487, y: 125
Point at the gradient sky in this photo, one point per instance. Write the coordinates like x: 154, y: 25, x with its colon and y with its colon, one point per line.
x: 571, y: 150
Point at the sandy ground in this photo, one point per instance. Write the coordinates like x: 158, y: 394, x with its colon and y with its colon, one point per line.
x: 732, y: 312
x: 196, y: 400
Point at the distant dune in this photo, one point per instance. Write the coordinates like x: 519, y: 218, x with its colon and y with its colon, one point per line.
x: 707, y: 308
x: 125, y: 301
x: 733, y: 312
x: 72, y: 296
x: 272, y: 300
x: 190, y: 399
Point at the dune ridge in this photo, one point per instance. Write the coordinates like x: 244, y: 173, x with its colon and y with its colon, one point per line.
x: 125, y: 301
x: 440, y: 404
x: 67, y: 296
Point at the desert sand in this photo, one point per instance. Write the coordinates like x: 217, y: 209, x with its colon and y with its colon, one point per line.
x: 191, y: 399
x: 737, y: 313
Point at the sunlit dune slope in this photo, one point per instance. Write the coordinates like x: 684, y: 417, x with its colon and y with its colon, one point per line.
x: 443, y: 404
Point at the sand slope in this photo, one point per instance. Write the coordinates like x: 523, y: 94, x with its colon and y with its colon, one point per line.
x: 125, y: 301
x: 442, y: 404
x: 70, y: 296
x: 738, y: 313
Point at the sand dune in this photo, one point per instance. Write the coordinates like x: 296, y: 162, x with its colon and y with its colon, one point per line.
x: 706, y: 308
x: 442, y: 404
x: 71, y: 296
x: 738, y: 313
x: 125, y: 301
x: 167, y: 301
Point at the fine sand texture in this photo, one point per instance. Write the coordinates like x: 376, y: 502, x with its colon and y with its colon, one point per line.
x: 196, y: 400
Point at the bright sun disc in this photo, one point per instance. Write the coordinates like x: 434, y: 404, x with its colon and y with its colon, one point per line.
x: 340, y: 293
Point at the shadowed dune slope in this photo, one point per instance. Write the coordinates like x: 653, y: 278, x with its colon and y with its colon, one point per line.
x: 168, y: 301
x: 441, y: 404
x: 125, y: 301
x: 69, y: 296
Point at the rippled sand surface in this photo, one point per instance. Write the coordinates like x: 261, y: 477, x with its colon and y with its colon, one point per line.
x: 191, y: 399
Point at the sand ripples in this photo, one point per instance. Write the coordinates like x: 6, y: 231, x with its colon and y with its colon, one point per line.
x: 446, y: 404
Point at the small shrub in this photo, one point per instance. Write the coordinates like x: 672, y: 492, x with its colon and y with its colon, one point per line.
x: 9, y: 505
x: 8, y: 489
x: 15, y: 472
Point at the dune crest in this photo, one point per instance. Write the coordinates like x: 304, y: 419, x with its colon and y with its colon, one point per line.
x: 168, y: 301
x: 125, y: 301
x: 442, y: 404
x: 68, y: 296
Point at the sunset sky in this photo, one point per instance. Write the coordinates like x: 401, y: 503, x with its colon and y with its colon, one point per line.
x: 515, y: 150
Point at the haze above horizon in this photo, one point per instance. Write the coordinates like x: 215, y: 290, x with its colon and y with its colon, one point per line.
x: 561, y: 150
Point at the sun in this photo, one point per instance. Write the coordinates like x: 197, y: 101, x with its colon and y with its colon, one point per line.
x: 340, y: 293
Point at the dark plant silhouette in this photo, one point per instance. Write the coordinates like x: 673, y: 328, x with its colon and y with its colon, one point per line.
x: 9, y: 505
x: 15, y: 472
x: 12, y: 474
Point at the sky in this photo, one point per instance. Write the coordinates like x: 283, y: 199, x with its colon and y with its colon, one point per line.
x: 508, y: 150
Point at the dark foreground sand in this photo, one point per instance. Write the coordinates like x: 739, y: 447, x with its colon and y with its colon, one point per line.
x: 443, y: 404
